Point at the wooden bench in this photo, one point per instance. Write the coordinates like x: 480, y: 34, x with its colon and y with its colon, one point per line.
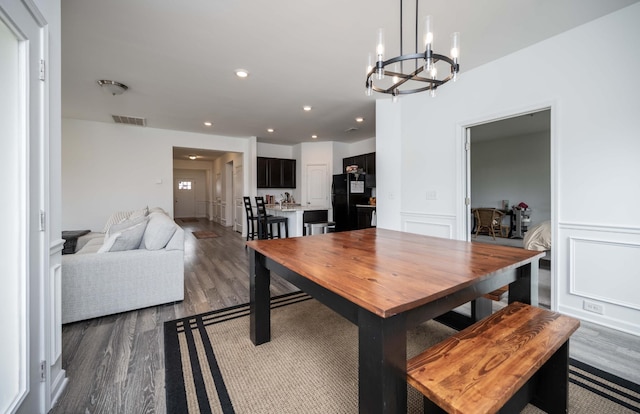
x: 518, y: 355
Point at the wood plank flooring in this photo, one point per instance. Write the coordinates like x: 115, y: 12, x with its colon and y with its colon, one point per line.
x: 115, y: 364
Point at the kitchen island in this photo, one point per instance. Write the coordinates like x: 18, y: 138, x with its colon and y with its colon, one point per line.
x: 294, y: 214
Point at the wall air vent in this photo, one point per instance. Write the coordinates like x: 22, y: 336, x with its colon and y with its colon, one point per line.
x: 129, y: 120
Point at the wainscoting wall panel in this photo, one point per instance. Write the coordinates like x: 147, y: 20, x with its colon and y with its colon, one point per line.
x: 437, y: 225
x: 56, y: 312
x: 594, y: 278
x: 598, y: 270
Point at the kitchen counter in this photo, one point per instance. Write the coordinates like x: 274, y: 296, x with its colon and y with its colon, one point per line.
x: 292, y: 207
x: 294, y: 215
x: 366, y: 205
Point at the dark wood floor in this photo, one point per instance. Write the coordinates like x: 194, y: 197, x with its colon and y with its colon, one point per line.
x: 115, y: 364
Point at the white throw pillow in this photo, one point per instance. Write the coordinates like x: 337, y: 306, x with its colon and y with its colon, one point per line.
x: 159, y: 231
x: 127, y: 239
x: 143, y: 212
x: 108, y: 243
x: 123, y: 225
x: 156, y: 210
x: 116, y: 217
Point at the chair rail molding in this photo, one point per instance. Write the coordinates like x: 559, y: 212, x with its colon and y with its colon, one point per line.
x: 599, y: 227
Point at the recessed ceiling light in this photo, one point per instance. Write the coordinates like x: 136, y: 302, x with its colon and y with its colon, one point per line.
x: 208, y: 123
x: 270, y: 130
x: 359, y: 119
x: 193, y: 157
x: 242, y: 73
x: 314, y: 136
x: 307, y: 108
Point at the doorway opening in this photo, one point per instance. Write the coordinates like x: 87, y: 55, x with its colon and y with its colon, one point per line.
x: 509, y: 169
x: 213, y: 178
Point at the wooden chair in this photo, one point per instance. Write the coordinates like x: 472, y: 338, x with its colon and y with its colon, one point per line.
x: 265, y: 222
x: 489, y: 220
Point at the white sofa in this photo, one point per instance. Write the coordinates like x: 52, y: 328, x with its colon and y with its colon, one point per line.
x: 110, y: 273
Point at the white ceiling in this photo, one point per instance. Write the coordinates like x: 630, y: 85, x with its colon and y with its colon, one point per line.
x: 178, y: 58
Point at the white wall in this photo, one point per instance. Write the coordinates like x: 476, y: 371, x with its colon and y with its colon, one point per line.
x: 594, y: 150
x: 110, y: 167
x: 275, y: 150
x: 516, y: 169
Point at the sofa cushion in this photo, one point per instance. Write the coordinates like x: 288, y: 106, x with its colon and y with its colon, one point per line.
x: 92, y: 245
x: 126, y: 239
x: 159, y: 231
x: 123, y: 225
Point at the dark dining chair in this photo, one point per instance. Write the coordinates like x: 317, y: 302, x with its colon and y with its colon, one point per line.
x: 265, y: 222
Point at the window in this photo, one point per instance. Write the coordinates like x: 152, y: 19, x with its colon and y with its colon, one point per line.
x: 184, y: 185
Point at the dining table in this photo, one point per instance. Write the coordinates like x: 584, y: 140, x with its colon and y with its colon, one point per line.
x: 387, y: 282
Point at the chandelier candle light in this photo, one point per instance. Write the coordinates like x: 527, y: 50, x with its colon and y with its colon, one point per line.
x: 425, y: 66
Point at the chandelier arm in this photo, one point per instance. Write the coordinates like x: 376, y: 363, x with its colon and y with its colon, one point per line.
x: 436, y: 57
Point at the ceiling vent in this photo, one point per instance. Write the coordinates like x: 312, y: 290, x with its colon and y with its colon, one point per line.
x: 351, y: 129
x: 129, y: 120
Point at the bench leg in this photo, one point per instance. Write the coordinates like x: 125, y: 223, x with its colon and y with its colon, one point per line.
x: 548, y: 389
x: 552, y: 390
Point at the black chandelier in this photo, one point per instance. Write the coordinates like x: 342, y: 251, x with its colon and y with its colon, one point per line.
x: 422, y: 75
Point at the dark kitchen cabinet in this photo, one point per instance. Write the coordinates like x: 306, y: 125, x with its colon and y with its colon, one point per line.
x: 365, y: 161
x: 263, y: 172
x: 365, y: 216
x: 276, y: 173
x: 370, y: 163
x: 288, y: 178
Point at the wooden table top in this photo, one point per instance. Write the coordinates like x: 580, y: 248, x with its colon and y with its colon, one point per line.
x: 388, y: 272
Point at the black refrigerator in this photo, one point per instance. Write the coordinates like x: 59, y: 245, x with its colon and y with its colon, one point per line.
x: 347, y: 190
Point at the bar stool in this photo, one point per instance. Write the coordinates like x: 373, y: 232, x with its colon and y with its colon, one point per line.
x: 265, y: 229
x: 315, y: 222
x: 316, y: 228
x: 252, y: 221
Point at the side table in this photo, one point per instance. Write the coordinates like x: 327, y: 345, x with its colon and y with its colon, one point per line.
x: 71, y: 239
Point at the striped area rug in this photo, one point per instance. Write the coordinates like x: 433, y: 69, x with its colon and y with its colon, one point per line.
x: 310, y: 365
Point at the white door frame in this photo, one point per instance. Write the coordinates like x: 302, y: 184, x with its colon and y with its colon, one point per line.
x: 28, y: 342
x: 465, y: 179
x: 228, y: 194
